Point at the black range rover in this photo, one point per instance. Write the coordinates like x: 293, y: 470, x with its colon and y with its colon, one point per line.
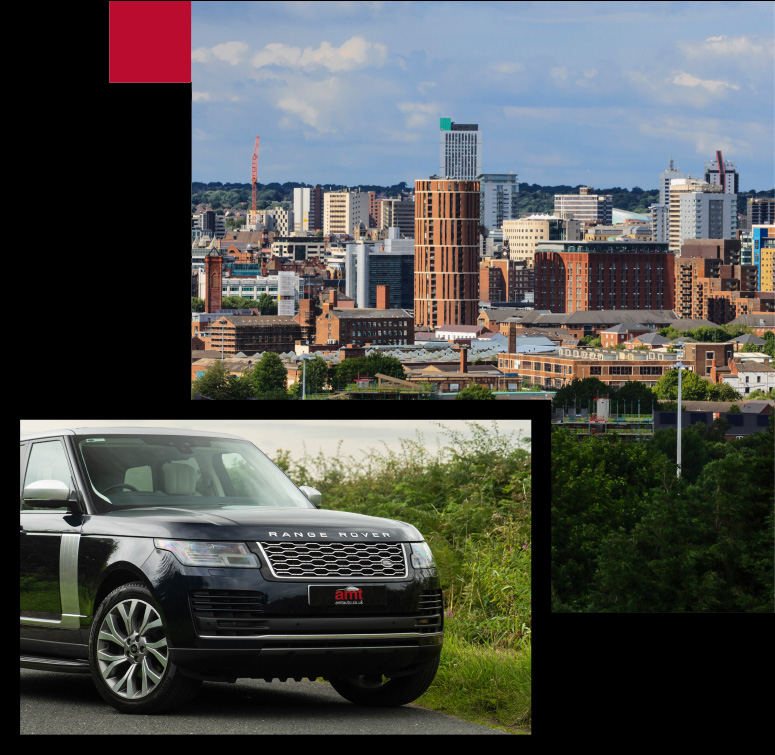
x: 154, y: 559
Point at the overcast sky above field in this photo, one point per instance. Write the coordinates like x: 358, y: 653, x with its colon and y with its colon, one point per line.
x: 313, y: 435
x: 596, y: 93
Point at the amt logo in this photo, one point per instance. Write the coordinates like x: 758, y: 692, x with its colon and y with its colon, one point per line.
x: 349, y: 593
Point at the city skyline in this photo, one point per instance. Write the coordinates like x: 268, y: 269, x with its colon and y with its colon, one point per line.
x: 563, y: 93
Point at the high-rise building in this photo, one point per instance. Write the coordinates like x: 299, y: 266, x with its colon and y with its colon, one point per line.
x: 398, y: 213
x: 523, y: 234
x: 344, y: 211
x: 711, y: 283
x: 761, y: 211
x: 699, y: 210
x: 500, y: 192
x: 665, y: 177
x: 388, y: 262
x: 721, y: 172
x: 763, y: 250
x: 460, y: 153
x: 446, y: 252
x: 660, y: 213
x: 585, y: 206
x: 301, y: 209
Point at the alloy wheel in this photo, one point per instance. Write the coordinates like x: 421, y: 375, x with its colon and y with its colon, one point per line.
x: 132, y: 651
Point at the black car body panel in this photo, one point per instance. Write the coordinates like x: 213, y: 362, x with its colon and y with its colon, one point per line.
x: 277, y: 619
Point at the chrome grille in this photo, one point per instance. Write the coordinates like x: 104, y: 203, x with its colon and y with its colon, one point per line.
x: 335, y: 560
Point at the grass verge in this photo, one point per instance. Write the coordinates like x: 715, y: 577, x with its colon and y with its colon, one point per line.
x: 481, y: 684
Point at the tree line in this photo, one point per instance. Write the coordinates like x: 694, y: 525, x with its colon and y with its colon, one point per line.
x: 268, y: 378
x: 532, y: 198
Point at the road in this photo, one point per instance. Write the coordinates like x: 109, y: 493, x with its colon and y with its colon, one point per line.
x: 56, y: 703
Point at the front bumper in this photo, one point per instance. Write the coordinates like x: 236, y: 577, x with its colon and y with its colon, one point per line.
x: 226, y: 623
x: 297, y: 659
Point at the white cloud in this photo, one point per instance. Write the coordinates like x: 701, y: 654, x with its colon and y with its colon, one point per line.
x: 200, y: 96
x: 355, y: 53
x: 201, y: 136
x: 303, y: 110
x: 715, y: 87
x: 418, y: 114
x: 742, y: 46
x: 201, y: 55
x: 559, y: 73
x: 745, y: 53
x: 707, y: 135
x: 323, y: 105
x: 228, y: 52
x: 507, y: 67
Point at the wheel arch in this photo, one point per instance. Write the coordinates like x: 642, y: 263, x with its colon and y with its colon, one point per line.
x: 120, y: 574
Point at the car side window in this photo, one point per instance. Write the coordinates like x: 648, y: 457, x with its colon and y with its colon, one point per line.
x: 48, y: 461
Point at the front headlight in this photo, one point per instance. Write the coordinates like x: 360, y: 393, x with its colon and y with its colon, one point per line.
x: 195, y: 553
x: 422, y: 558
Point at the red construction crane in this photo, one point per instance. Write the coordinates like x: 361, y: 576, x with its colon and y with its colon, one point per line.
x: 254, y: 179
x: 721, y: 171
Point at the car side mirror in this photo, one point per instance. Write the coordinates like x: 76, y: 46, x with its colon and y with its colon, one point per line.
x: 315, y: 496
x: 43, y: 492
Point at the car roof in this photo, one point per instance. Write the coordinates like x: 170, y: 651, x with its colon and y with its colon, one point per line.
x: 128, y: 431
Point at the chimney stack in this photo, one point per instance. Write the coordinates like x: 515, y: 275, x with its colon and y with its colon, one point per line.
x: 383, y: 297
x: 463, y: 357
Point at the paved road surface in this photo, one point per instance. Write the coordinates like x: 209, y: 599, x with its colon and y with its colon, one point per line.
x: 55, y: 703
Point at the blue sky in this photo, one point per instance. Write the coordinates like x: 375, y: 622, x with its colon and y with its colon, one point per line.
x: 596, y: 93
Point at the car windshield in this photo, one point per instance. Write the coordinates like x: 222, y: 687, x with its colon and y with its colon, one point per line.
x: 183, y: 471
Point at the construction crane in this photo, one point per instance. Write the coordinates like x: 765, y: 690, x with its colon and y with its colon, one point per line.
x: 254, y: 181
x: 721, y: 171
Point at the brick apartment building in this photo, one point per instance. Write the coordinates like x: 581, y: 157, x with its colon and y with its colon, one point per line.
x: 575, y: 275
x: 710, y: 282
x: 505, y: 280
x: 381, y: 325
x: 249, y: 334
x: 558, y: 368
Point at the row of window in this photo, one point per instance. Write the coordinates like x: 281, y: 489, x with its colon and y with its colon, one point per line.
x: 614, y: 369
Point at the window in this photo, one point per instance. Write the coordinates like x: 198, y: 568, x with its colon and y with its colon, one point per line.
x: 48, y: 462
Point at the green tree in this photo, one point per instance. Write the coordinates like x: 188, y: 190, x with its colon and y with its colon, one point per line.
x: 597, y: 487
x: 693, y: 388
x: 769, y: 344
x: 634, y: 393
x: 316, y: 377
x: 347, y: 370
x: 268, y: 376
x: 475, y: 393
x: 266, y: 305
x: 581, y: 393
x: 215, y: 383
x: 197, y: 305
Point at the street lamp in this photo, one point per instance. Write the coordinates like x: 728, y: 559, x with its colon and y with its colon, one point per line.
x: 679, y: 367
x: 304, y: 358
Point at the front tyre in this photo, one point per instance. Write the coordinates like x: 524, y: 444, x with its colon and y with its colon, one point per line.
x: 376, y: 691
x: 129, y: 655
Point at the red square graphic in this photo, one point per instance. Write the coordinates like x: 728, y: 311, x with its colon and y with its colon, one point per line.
x: 150, y: 42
